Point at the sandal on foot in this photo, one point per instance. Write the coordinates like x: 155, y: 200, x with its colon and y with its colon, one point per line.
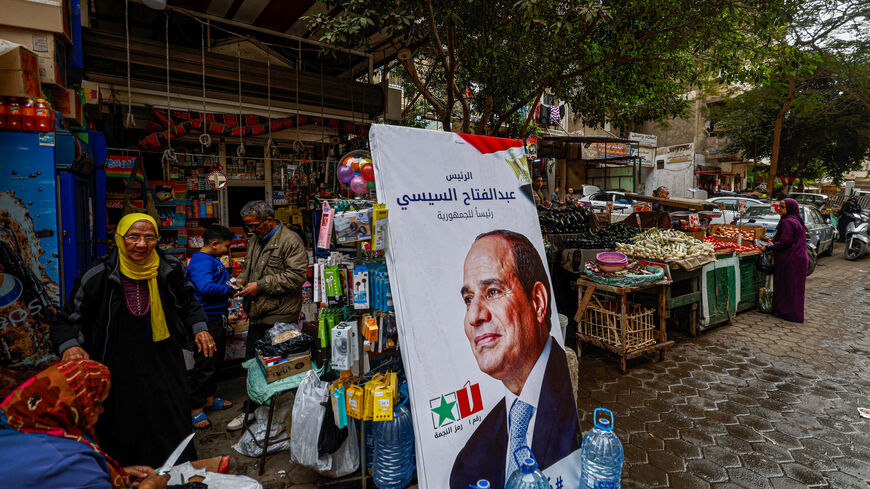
x: 200, y: 417
x: 218, y: 405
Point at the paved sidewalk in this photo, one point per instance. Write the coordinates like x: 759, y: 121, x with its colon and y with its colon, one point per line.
x: 756, y: 403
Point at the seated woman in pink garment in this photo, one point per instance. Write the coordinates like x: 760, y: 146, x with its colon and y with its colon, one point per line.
x: 790, y: 262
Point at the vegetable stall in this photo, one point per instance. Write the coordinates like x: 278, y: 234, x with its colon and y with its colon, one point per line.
x: 632, y: 280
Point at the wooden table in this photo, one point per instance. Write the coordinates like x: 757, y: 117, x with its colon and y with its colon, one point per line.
x: 587, y: 288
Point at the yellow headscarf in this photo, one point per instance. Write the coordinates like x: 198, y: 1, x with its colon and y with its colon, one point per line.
x: 145, y: 270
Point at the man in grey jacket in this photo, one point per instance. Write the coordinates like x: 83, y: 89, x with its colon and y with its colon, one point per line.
x: 276, y: 266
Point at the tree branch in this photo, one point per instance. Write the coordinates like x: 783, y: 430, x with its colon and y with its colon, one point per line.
x: 421, y: 87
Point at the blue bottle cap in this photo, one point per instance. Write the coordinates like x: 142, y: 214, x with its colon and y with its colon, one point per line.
x: 481, y: 484
x: 601, y: 422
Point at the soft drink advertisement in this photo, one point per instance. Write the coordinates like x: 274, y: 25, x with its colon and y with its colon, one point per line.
x: 120, y: 165
x: 28, y: 273
x: 478, y: 327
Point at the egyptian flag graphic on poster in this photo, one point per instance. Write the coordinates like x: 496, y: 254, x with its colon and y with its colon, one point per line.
x: 473, y: 336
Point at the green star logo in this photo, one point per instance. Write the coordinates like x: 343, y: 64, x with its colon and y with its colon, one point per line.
x: 444, y: 411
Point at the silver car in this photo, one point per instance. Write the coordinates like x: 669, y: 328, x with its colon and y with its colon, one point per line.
x: 816, y: 200
x: 729, y: 205
x: 820, y: 231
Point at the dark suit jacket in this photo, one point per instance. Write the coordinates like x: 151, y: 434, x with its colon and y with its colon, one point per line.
x: 556, y: 435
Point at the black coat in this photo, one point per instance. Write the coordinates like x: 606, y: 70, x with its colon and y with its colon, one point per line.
x: 556, y: 435
x: 97, y: 298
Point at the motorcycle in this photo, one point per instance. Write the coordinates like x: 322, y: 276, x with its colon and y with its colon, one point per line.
x: 812, y: 258
x: 857, y: 236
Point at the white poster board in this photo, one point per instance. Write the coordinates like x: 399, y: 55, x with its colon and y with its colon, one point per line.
x: 473, y: 336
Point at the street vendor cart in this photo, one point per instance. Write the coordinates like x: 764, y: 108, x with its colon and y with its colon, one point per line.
x: 608, y: 321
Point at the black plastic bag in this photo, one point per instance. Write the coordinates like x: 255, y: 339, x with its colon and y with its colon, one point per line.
x: 764, y: 263
x: 331, y: 436
x: 299, y: 344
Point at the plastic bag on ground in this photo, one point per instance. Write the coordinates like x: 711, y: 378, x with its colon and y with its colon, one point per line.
x: 308, y: 414
x: 248, y: 446
x: 181, y: 473
x: 765, y: 301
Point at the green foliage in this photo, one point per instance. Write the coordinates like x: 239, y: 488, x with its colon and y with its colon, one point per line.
x: 617, y: 60
x: 827, y: 130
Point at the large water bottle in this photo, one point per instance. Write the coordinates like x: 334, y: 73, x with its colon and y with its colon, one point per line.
x: 601, y: 454
x: 394, y: 444
x: 527, y: 475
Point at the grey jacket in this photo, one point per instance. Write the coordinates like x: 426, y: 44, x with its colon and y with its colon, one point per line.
x: 280, y: 268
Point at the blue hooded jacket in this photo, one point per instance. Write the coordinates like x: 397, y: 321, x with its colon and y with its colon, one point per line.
x: 210, y: 277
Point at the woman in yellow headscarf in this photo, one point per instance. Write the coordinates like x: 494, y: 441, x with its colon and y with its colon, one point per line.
x: 133, y: 311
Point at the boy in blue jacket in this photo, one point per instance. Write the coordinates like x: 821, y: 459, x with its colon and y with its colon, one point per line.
x: 210, y: 278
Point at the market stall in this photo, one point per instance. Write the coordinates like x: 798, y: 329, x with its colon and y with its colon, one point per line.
x: 709, y: 279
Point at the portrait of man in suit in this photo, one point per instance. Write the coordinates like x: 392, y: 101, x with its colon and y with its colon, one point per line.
x: 507, y: 322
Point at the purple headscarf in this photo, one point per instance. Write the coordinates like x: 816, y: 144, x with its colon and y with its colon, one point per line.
x: 792, y: 212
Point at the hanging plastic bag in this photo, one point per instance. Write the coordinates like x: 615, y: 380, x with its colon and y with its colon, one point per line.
x: 764, y: 263
x: 331, y: 436
x: 247, y: 444
x: 308, y: 413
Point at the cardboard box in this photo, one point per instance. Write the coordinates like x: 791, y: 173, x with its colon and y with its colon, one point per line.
x: 41, y: 15
x: 19, y: 71
x: 50, y: 48
x: 69, y: 104
x: 294, y: 365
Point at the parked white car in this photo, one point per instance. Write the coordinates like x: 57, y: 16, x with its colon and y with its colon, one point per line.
x: 599, y: 200
x: 730, y: 212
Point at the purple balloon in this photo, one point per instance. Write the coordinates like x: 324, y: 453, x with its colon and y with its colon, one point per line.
x: 358, y: 184
x: 345, y: 173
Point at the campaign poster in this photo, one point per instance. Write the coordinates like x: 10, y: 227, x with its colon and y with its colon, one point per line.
x: 478, y: 326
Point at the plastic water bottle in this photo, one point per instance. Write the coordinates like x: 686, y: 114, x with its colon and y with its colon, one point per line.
x: 394, y: 444
x: 527, y: 475
x: 601, y: 455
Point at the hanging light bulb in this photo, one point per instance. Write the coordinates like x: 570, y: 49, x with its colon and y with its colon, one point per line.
x: 155, y: 4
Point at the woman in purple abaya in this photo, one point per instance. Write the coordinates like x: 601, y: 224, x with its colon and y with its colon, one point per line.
x: 790, y: 262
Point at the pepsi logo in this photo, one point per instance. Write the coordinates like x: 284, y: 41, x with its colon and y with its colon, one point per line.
x: 10, y: 289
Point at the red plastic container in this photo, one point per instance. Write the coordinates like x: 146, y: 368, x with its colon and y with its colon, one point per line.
x: 28, y: 115
x: 43, y: 116
x: 13, y: 114
x: 3, y: 122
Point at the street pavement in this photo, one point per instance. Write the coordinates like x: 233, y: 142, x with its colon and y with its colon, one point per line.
x: 755, y: 403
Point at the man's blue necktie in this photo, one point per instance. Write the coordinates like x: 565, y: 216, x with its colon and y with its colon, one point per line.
x: 520, y: 415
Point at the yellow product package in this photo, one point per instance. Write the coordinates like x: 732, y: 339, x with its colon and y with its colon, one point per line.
x: 371, y: 385
x: 383, y: 403
x: 355, y: 401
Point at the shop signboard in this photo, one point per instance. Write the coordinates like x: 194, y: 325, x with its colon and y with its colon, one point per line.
x: 647, y: 140
x: 680, y: 153
x: 120, y: 165
x: 645, y: 155
x: 595, y: 151
x: 478, y: 329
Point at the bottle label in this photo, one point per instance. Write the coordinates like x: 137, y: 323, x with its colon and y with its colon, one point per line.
x: 42, y: 112
x: 605, y: 485
x: 14, y: 109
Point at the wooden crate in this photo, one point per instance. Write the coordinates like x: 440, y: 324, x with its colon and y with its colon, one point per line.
x: 602, y: 321
x: 699, y: 235
x: 758, y: 230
